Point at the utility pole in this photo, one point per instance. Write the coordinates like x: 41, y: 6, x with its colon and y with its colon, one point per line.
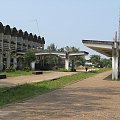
x: 118, y: 46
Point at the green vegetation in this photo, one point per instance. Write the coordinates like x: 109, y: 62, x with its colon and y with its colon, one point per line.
x: 10, y: 69
x: 17, y: 73
x: 29, y: 57
x: 21, y: 92
x: 52, y: 61
x: 97, y: 61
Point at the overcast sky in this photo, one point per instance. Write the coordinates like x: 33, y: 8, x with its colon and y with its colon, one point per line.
x: 63, y: 22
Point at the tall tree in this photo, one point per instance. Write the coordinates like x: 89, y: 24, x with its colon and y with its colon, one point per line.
x: 107, y: 63
x: 61, y: 50
x: 80, y: 61
x: 74, y: 49
x: 95, y: 59
x: 52, y: 47
x: 29, y: 57
x: 51, y: 60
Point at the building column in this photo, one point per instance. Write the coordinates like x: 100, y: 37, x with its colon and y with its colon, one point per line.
x: 115, y: 60
x: 67, y: 61
x: 67, y: 64
x: 43, y: 61
x: 8, y: 60
x: 15, y: 62
x: 118, y: 64
x: 1, y: 62
x: 8, y: 49
x: 33, y: 65
x: 1, y: 54
x: 114, y: 67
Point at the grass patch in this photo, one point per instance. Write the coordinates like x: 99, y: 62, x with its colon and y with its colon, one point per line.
x: 21, y: 92
x: 99, y: 70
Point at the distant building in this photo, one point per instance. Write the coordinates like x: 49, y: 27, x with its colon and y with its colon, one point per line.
x: 13, y: 42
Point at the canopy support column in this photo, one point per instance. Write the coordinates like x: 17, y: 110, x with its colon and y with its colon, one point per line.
x: 115, y: 59
x: 67, y: 61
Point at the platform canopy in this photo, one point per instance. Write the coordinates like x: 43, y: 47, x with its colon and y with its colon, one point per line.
x: 110, y: 49
x: 103, y: 47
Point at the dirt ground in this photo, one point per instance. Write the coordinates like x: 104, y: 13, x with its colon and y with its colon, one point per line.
x: 13, y: 81
x: 95, y: 98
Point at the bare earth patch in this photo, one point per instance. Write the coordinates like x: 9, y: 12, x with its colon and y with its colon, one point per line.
x: 95, y: 98
x: 13, y: 81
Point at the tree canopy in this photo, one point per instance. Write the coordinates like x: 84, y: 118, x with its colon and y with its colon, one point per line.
x: 52, y: 47
x: 54, y: 60
x: 97, y: 61
x: 29, y: 57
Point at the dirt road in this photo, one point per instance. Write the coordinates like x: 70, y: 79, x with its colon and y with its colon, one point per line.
x: 95, y: 98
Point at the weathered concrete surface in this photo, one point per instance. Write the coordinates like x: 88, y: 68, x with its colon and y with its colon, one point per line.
x: 95, y: 98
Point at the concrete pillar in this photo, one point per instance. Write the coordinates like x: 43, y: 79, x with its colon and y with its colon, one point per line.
x: 1, y: 49
x: 1, y: 41
x: 73, y: 65
x: 15, y: 62
x: 33, y: 65
x: 7, y: 48
x: 13, y: 44
x: 19, y: 41
x: 8, y: 60
x: 43, y: 61
x: 67, y: 61
x: 119, y: 65
x: 1, y: 62
x: 67, y: 64
x: 114, y: 67
x: 115, y: 59
x: 26, y: 43
x: 14, y: 49
x: 42, y: 46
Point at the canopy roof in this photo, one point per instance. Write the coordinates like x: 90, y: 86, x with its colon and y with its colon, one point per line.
x: 103, y: 47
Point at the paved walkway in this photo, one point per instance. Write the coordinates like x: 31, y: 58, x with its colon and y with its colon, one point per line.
x: 13, y: 81
x: 95, y: 98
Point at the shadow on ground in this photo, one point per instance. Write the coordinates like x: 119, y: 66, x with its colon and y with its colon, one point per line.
x: 108, y: 77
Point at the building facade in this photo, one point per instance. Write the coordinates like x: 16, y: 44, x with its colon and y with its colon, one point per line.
x: 15, y: 42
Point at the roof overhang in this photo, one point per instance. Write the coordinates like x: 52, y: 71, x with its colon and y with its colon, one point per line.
x: 80, y: 53
x: 103, y: 47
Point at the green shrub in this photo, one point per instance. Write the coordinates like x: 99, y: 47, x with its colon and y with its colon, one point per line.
x: 27, y: 69
x: 55, y: 68
x: 73, y: 70
x: 10, y: 69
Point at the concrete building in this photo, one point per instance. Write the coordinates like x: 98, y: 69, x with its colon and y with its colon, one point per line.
x: 13, y: 42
